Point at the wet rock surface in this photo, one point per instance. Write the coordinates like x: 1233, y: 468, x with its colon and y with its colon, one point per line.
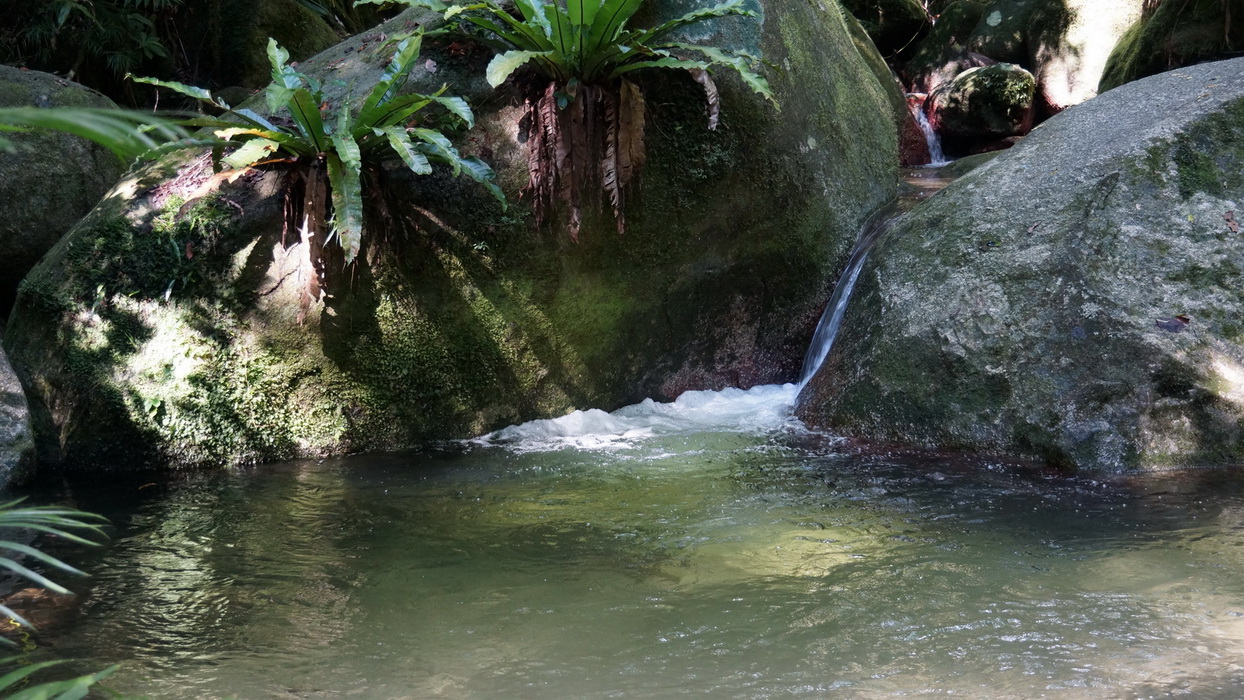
x: 1077, y: 298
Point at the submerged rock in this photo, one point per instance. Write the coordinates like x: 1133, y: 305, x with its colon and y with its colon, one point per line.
x: 49, y: 180
x: 1078, y: 298
x: 164, y: 329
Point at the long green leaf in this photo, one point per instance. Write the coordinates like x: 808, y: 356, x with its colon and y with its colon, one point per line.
x: 284, y: 78
x: 441, y: 148
x: 197, y: 93
x: 533, y: 12
x: 72, y: 689
x: 127, y: 134
x: 609, y: 22
x: 306, y: 114
x: 502, y: 65
x: 19, y: 674
x: 740, y: 64
x: 345, y: 178
x: 667, y: 62
x: 730, y: 7
x: 250, y: 153
x: 459, y: 108
x: 395, y: 73
x: 480, y: 172
x: 399, y: 140
x: 396, y: 111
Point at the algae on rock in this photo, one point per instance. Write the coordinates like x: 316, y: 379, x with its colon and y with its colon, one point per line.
x: 162, y: 330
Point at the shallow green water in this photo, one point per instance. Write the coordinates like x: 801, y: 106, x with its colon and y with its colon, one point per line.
x: 668, y: 559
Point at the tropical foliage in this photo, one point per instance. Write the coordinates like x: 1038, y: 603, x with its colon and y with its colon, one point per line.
x: 126, y: 133
x: 587, y: 119
x: 327, y: 144
x: 69, y: 525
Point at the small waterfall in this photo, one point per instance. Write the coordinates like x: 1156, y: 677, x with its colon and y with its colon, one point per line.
x: 831, y: 319
x: 936, y: 158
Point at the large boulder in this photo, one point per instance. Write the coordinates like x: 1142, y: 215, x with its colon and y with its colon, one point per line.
x: 1077, y: 299
x: 1173, y: 35
x: 1069, y: 42
x: 48, y: 180
x: 165, y: 328
x: 981, y: 108
x: 16, y: 441
x: 1002, y: 33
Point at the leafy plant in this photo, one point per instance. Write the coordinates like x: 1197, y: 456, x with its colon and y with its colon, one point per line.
x: 328, y: 145
x: 84, y: 36
x: 64, y: 523
x: 127, y: 134
x: 587, y: 120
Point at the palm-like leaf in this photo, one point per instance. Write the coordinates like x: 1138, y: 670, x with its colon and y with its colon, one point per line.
x: 127, y: 134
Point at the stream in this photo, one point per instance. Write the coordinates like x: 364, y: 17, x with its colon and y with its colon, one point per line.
x: 712, y: 546
x: 708, y: 547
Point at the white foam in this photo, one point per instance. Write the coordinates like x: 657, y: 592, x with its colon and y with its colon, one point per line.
x: 758, y: 410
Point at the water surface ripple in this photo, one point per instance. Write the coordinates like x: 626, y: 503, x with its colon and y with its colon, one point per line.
x: 645, y: 554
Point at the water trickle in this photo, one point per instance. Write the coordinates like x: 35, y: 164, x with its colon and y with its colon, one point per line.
x: 831, y: 319
x: 936, y: 157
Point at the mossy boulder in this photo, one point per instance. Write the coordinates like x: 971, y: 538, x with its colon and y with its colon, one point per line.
x: 163, y: 331
x: 1069, y: 42
x: 981, y: 107
x: 1077, y: 299
x: 49, y: 180
x: 1002, y: 32
x: 913, y: 148
x: 1173, y: 35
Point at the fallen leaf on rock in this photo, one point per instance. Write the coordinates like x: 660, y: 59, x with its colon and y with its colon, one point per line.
x: 1174, y: 324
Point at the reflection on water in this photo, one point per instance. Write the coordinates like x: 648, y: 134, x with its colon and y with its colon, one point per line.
x: 699, y: 561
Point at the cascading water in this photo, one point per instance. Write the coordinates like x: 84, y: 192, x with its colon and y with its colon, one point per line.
x: 831, y: 319
x: 936, y: 157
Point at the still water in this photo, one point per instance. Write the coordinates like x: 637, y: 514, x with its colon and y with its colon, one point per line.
x: 710, y: 547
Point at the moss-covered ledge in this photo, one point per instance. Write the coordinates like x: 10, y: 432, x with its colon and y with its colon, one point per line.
x: 163, y: 331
